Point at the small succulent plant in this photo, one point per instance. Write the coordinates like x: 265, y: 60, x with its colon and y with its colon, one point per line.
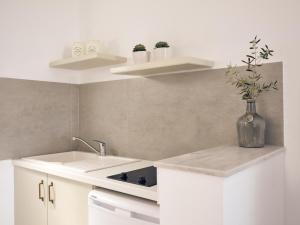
x: 139, y: 48
x: 250, y: 82
x: 162, y: 44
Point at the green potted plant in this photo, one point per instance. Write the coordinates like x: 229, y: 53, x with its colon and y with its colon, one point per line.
x: 161, y: 51
x: 250, y: 83
x: 140, y: 54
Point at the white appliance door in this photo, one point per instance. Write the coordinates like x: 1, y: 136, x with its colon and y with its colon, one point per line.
x: 108, y: 210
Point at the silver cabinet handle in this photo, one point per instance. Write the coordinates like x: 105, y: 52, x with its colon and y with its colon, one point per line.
x: 41, y: 185
x: 50, y: 187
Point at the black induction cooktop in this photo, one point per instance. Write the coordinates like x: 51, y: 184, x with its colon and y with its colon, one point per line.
x: 146, y: 176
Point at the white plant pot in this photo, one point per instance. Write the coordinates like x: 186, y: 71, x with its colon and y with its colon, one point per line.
x: 162, y: 53
x: 93, y: 46
x: 141, y: 57
x: 78, y: 49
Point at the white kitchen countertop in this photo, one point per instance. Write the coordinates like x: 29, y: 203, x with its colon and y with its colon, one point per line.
x: 99, y: 177
x: 221, y: 161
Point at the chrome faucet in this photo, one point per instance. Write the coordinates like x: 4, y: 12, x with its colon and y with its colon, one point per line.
x: 102, y: 146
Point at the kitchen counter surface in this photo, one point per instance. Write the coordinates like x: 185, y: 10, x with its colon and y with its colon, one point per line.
x: 99, y: 177
x: 221, y: 161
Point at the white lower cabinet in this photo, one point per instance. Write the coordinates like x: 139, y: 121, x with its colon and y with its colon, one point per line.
x: 30, y: 205
x: 254, y: 196
x: 70, y: 202
x: 42, y: 199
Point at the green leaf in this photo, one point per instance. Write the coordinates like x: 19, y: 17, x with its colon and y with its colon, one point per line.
x: 250, y: 56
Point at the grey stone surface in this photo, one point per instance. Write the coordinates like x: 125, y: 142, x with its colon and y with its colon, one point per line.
x: 36, y: 117
x: 164, y: 116
x: 220, y: 161
x: 104, y: 114
x: 149, y: 118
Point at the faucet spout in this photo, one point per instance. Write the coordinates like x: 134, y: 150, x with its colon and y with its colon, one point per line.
x: 98, y: 152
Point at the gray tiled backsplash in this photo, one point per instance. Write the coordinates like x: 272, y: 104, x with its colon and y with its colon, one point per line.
x: 150, y: 118
x: 36, y: 117
x: 157, y: 117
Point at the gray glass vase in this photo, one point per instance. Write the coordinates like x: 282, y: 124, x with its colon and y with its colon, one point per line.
x: 251, y: 128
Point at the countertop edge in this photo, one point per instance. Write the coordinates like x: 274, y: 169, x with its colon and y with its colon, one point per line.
x: 255, y: 161
x: 89, y: 180
x: 219, y: 173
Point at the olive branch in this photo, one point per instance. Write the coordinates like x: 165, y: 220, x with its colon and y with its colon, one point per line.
x: 250, y: 81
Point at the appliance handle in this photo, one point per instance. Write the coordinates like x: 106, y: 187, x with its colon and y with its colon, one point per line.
x: 145, y: 218
x: 123, y: 212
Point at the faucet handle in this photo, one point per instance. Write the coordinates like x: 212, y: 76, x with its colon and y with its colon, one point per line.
x: 101, y: 142
x: 102, y: 147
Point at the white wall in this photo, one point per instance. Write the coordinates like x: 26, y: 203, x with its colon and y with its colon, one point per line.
x: 209, y: 28
x: 6, y: 193
x: 217, y: 30
x: 32, y: 33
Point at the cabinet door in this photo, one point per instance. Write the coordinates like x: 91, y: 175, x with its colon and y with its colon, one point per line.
x: 67, y: 202
x: 30, y: 197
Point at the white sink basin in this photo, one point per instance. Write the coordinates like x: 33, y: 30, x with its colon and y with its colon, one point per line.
x: 80, y: 161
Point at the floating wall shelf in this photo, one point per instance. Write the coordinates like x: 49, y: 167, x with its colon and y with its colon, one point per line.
x: 87, y: 61
x: 174, y: 65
